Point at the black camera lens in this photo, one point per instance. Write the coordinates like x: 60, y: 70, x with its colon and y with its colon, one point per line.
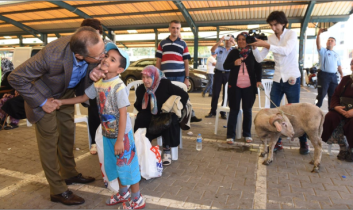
x: 250, y: 39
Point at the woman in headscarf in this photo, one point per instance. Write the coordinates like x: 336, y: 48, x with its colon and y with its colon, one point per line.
x: 338, y: 124
x: 150, y: 97
x: 244, y: 78
x: 6, y: 69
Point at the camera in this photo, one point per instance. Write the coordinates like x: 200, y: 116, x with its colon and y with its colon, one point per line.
x: 227, y: 37
x: 251, y: 39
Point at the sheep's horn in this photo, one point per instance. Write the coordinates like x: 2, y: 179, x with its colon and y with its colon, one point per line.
x: 275, y: 117
x: 278, y: 126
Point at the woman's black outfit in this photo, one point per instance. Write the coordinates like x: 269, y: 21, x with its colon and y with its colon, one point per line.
x: 171, y: 136
x: 93, y: 119
x: 236, y: 94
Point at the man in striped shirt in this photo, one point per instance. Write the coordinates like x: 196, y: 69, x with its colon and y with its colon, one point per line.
x: 173, y: 58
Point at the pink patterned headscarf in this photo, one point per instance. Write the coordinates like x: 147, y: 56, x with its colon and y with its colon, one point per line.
x: 244, y: 52
x: 156, y: 76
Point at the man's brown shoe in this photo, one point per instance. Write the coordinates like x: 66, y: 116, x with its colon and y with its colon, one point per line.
x: 67, y: 198
x: 79, y: 179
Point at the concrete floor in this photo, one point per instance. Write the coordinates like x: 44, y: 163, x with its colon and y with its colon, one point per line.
x: 216, y: 177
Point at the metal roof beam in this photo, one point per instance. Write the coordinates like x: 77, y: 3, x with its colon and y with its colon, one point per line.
x: 165, y: 11
x: 81, y: 14
x: 187, y: 16
x: 337, y: 18
x: 23, y: 27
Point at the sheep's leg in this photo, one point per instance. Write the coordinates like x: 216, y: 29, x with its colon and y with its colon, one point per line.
x: 270, y: 154
x: 264, y: 148
x: 317, y: 143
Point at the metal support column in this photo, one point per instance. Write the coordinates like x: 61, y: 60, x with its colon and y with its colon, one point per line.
x: 45, y: 39
x: 304, y: 25
x: 217, y: 38
x: 155, y: 38
x: 20, y: 38
x: 196, y: 47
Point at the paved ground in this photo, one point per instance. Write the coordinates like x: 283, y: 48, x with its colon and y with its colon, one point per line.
x: 212, y: 178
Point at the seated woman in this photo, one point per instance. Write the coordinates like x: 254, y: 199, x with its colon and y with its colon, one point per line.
x: 244, y: 78
x: 338, y: 120
x: 13, y: 106
x: 6, y: 69
x: 150, y: 97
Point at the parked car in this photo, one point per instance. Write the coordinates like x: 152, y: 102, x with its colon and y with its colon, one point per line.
x: 202, y: 63
x: 268, y: 69
x: 197, y: 80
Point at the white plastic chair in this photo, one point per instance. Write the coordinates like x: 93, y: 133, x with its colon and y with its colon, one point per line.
x: 174, y: 150
x: 267, y: 84
x: 81, y: 118
x: 225, y: 108
x: 132, y: 115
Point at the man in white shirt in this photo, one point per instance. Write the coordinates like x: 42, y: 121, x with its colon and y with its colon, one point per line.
x: 286, y: 79
x: 211, y: 64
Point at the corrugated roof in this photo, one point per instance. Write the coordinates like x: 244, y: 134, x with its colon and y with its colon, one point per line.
x: 47, y: 17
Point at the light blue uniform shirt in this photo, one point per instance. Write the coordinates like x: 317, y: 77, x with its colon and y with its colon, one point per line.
x: 78, y: 72
x: 329, y: 60
x: 222, y: 54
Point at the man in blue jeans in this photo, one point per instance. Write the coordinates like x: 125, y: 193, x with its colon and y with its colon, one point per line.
x: 173, y: 58
x: 211, y: 64
x: 286, y: 79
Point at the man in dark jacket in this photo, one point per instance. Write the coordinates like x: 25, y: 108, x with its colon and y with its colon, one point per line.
x: 54, y: 73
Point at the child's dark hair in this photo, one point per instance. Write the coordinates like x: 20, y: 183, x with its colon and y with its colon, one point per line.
x: 122, y: 61
x: 279, y: 17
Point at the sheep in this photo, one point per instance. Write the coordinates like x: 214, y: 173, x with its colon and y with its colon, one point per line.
x: 291, y: 120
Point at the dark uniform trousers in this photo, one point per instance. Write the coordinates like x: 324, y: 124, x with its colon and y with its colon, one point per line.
x: 220, y: 78
x: 326, y: 83
x: 55, y: 138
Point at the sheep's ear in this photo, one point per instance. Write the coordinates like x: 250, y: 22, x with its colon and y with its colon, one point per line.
x: 278, y: 126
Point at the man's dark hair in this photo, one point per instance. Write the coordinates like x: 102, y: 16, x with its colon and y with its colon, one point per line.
x: 83, y: 38
x: 174, y: 21
x: 332, y: 38
x: 94, y: 23
x: 279, y: 17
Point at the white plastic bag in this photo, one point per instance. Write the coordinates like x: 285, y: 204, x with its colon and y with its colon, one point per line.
x: 113, y: 185
x: 149, y: 157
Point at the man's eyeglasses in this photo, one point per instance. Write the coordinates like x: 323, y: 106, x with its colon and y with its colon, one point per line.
x: 99, y: 57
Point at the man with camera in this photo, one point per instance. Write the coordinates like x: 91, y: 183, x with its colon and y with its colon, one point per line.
x: 286, y: 79
x: 330, y: 63
x: 221, y: 75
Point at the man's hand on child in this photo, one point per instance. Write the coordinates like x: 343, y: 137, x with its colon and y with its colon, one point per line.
x: 119, y: 147
x: 49, y: 106
x: 58, y: 103
x: 96, y: 74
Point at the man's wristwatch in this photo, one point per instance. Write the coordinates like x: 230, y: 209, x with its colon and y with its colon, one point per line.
x: 187, y: 77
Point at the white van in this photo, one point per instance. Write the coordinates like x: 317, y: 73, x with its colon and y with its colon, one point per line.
x: 18, y: 55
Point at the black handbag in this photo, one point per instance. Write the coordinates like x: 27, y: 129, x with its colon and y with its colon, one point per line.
x: 347, y: 102
x: 159, y: 123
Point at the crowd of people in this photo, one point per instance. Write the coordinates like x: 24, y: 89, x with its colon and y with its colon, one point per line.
x: 90, y: 75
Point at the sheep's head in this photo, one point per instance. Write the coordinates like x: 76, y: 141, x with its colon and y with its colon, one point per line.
x: 282, y: 124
